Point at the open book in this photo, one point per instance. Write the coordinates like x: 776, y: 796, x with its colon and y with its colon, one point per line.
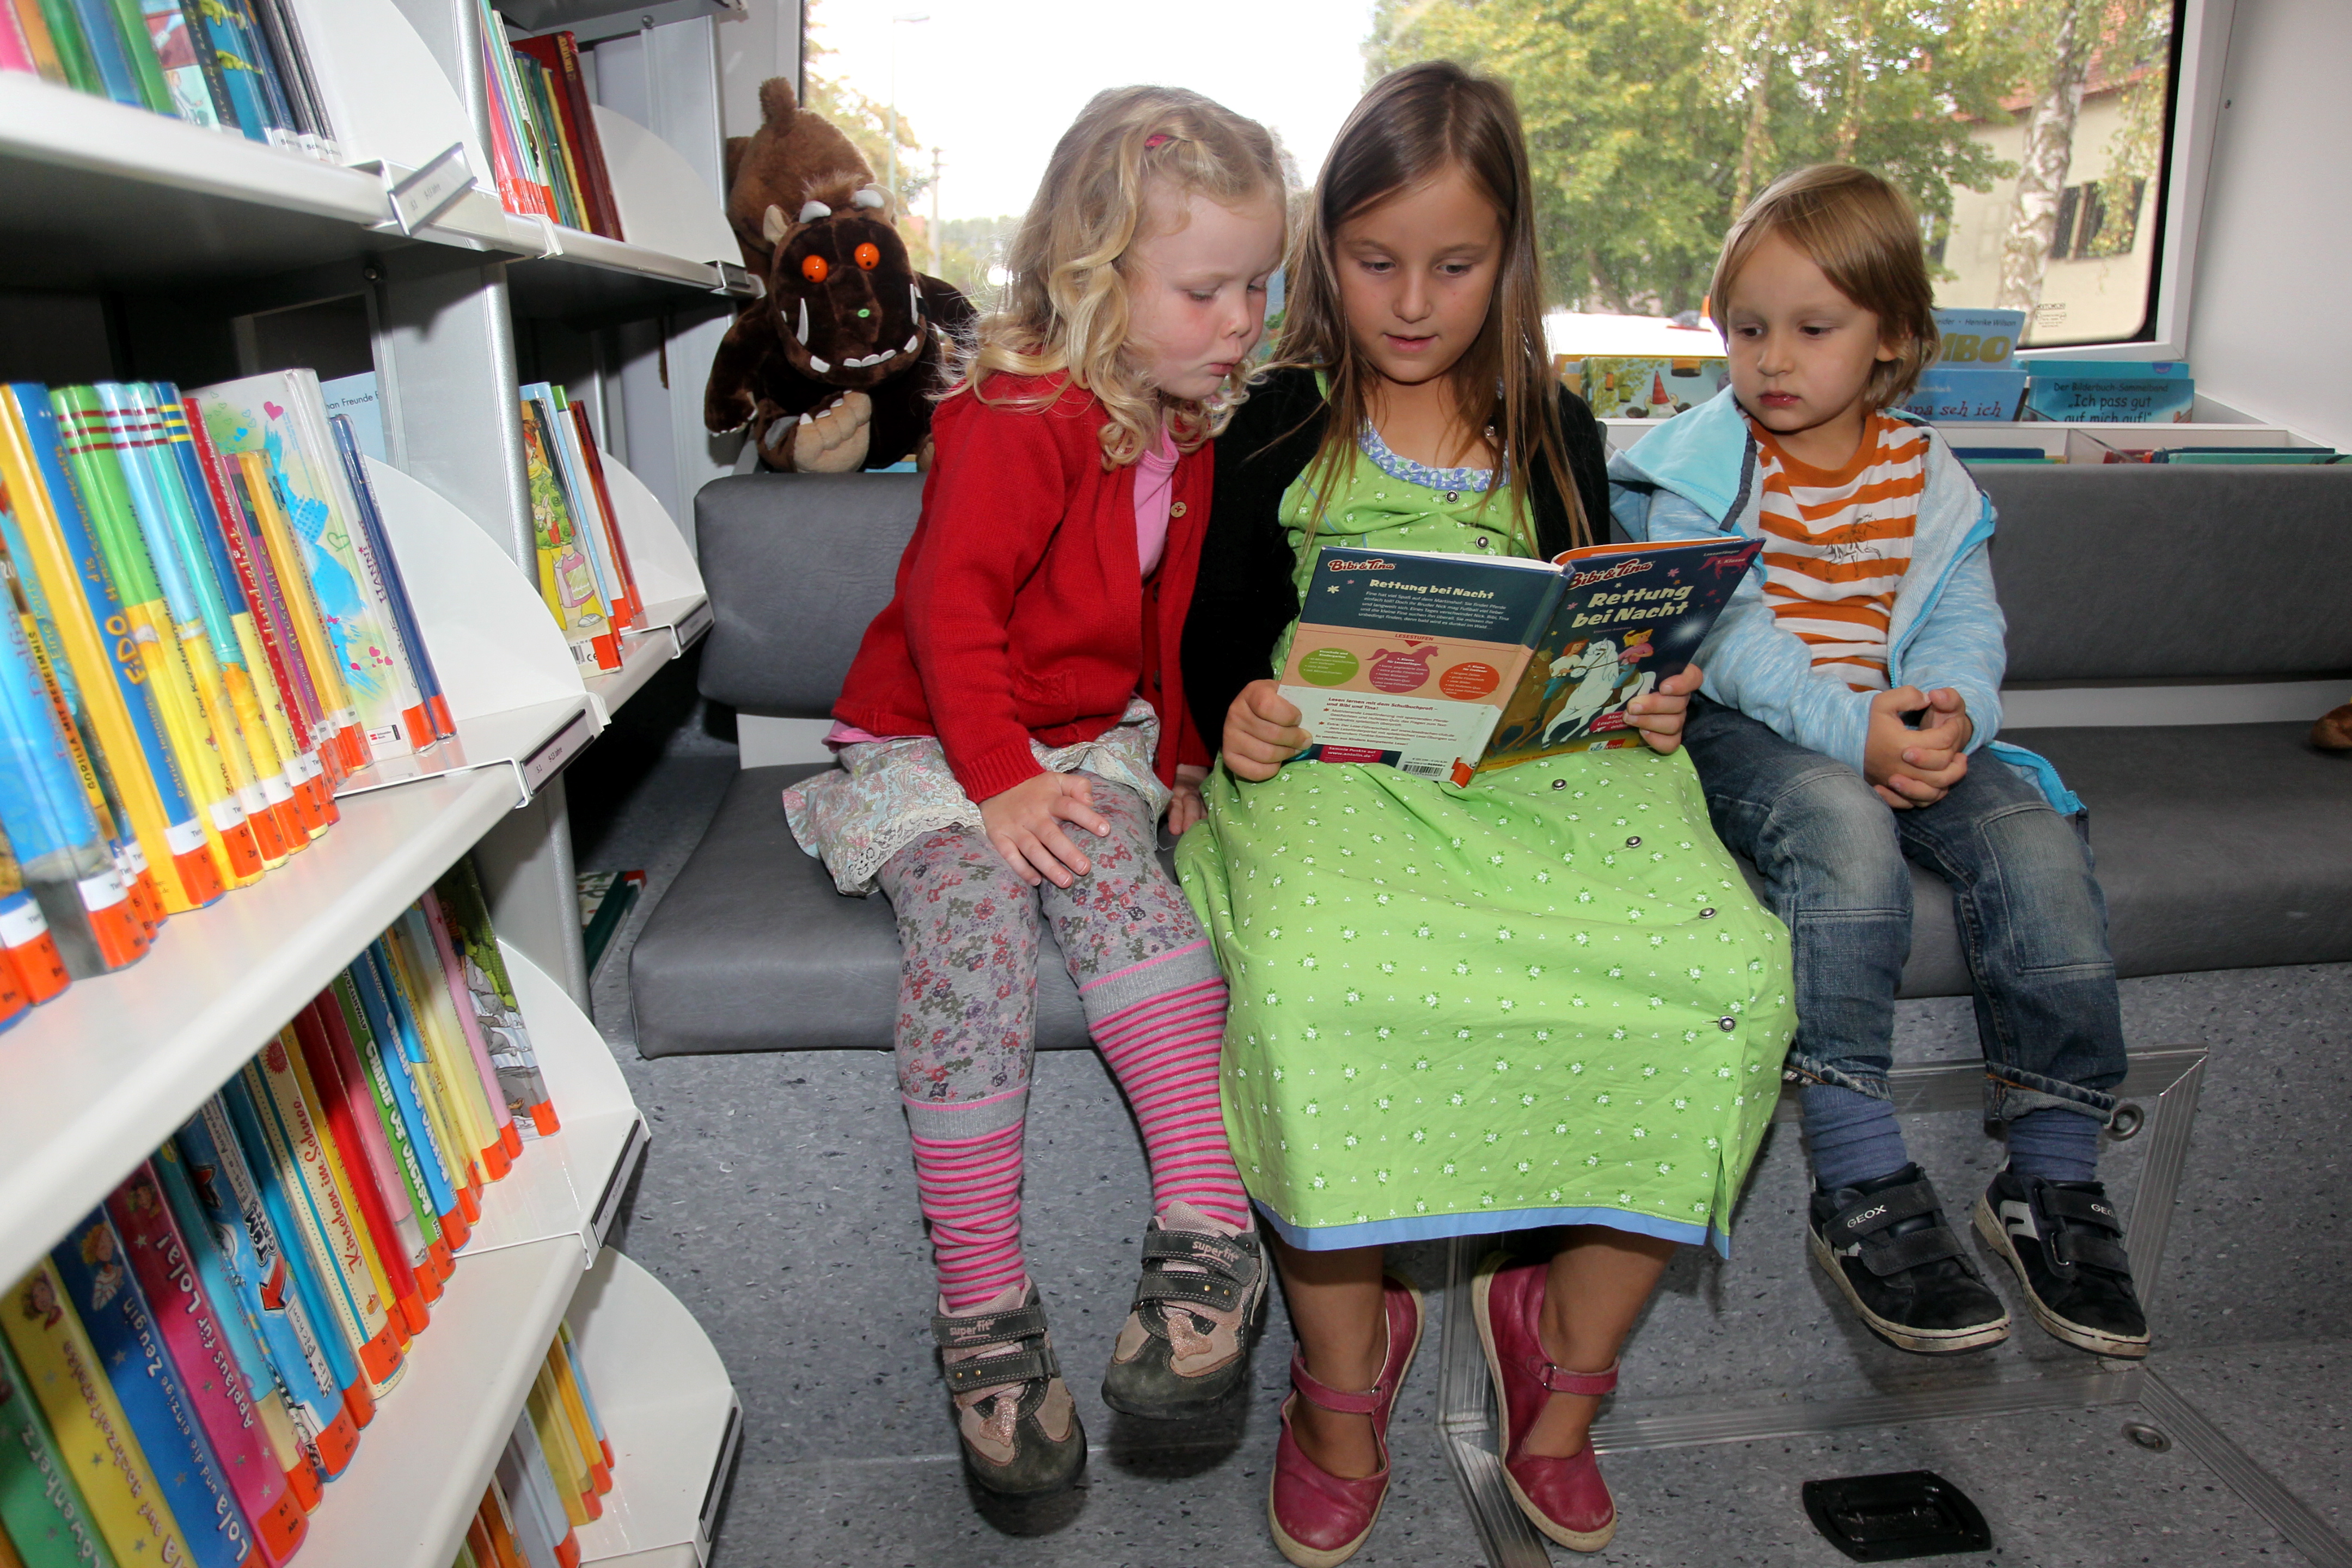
x: 1446, y: 665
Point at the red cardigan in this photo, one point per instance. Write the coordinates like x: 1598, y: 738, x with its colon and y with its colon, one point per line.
x: 1020, y: 609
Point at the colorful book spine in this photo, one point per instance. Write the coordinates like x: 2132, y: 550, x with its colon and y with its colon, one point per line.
x: 443, y: 1181
x: 417, y: 966
x: 302, y: 1240
x: 161, y: 513
x: 209, y: 1254
x: 499, y: 1519
x: 537, y: 1502
x: 571, y: 1348
x: 138, y: 53
x: 92, y: 1263
x: 469, y: 1022
x: 257, y: 489
x: 62, y: 853
x: 347, y: 1106
x: 41, y: 1509
x: 579, y: 503
x: 92, y: 1433
x: 562, y: 1376
x: 199, y: 1351
x: 569, y: 209
x: 305, y: 1355
x: 448, y: 1127
x: 213, y: 29
x: 46, y: 639
x: 395, y: 1164
x: 277, y: 416
x: 89, y: 451
x: 73, y: 49
x: 345, y: 1261
x: 31, y: 971
x: 564, y: 1460
x: 467, y: 911
x: 102, y: 32
x: 404, y: 608
x: 15, y: 55
x: 103, y: 642
x: 593, y: 462
x: 567, y: 578
x: 529, y: 150
x: 40, y: 49
x: 223, y: 544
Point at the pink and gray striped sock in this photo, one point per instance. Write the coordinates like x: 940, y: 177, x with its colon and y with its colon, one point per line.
x: 1162, y: 1047
x: 968, y: 1181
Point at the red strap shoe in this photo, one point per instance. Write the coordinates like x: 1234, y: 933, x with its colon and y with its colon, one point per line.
x: 1565, y: 1499
x: 1320, y: 1520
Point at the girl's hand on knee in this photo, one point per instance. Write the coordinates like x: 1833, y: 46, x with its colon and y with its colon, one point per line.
x: 1262, y: 732
x: 1659, y: 715
x: 1024, y: 825
x: 1186, y: 807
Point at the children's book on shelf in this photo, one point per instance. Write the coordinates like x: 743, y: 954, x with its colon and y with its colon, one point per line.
x: 545, y: 153
x: 234, y: 66
x: 42, y: 1514
x: 605, y: 898
x: 583, y: 150
x: 467, y: 911
x: 569, y: 580
x: 1448, y: 665
x: 1644, y: 386
x: 2112, y: 392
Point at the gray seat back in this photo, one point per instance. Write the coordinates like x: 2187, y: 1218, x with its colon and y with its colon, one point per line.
x: 797, y: 564
x: 2126, y: 571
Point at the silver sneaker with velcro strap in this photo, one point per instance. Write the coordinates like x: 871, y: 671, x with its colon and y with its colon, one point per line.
x: 1017, y: 1422
x: 1187, y: 1340
x: 1886, y: 1243
x: 2064, y: 1240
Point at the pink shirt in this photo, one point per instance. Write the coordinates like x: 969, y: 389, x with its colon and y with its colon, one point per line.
x: 1155, y: 478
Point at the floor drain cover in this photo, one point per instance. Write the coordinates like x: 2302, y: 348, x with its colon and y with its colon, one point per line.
x: 1888, y: 1518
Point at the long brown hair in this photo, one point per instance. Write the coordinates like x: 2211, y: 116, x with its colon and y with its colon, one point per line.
x: 1065, y: 308
x: 1411, y: 127
x: 1864, y: 237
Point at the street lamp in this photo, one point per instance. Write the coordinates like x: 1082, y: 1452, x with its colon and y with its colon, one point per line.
x: 908, y: 19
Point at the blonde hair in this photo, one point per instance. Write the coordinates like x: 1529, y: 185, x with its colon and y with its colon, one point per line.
x: 1412, y: 126
x: 1065, y: 308
x: 1864, y: 236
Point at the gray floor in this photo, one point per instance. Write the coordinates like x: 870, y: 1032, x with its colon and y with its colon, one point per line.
x: 777, y: 1203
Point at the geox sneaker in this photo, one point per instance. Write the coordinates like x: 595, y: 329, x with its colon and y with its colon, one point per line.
x: 2066, y: 1241
x: 1020, y: 1430
x: 1186, y: 1342
x: 1887, y: 1245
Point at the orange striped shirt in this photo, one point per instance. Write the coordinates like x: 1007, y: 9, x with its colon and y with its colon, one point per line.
x: 1837, y: 543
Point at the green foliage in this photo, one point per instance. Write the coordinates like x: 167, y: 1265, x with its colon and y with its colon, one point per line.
x: 865, y: 123
x: 1650, y: 122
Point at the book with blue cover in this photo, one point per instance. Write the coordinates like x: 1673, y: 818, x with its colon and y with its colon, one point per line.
x: 1449, y: 666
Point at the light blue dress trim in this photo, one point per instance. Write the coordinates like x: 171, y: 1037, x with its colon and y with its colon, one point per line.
x: 1438, y: 1227
x: 1473, y: 480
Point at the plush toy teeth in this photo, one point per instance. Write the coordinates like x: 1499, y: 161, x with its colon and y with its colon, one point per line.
x: 802, y: 333
x: 817, y: 365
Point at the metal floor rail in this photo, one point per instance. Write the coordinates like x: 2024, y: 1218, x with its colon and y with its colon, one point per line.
x: 2169, y: 1076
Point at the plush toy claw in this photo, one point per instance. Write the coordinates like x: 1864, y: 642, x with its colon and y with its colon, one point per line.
x: 833, y: 440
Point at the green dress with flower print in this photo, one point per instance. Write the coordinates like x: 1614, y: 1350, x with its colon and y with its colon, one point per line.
x: 1548, y: 998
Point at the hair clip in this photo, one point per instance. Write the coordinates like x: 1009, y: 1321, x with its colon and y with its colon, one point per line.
x: 1156, y: 139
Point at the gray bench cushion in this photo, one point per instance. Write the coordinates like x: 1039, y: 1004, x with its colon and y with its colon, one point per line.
x: 751, y: 949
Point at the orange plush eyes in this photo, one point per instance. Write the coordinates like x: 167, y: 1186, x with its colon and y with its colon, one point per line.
x: 869, y: 256
x: 813, y: 268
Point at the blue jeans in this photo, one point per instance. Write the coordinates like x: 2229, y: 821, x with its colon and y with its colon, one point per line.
x: 2033, y: 921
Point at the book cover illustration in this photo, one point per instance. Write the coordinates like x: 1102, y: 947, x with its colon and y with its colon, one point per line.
x: 1444, y: 666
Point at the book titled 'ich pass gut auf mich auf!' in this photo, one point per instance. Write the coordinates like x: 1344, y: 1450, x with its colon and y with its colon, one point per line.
x: 1447, y: 665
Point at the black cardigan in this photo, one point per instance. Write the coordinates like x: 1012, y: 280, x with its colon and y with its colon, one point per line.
x: 1242, y: 597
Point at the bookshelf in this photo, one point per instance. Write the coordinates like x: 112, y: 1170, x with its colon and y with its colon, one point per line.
x: 181, y: 236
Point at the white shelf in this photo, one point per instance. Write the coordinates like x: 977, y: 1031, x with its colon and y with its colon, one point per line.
x: 533, y: 743
x: 425, y: 1458
x: 670, y: 1411
x: 669, y: 630
x: 2050, y: 435
x: 94, y: 1080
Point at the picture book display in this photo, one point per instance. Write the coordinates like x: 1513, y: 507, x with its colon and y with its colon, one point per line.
x: 545, y: 153
x: 202, y: 1354
x: 1448, y: 665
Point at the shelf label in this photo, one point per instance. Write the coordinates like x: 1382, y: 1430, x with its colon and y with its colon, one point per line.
x: 428, y: 192
x: 735, y: 280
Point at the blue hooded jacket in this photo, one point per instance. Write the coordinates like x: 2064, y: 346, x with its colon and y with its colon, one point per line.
x: 1695, y: 478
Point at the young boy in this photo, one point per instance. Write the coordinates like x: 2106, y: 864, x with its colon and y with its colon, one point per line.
x: 1851, y: 695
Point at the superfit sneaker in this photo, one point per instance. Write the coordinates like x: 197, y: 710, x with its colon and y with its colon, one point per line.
x: 1886, y: 1246
x: 1197, y: 1309
x: 1019, y: 1428
x: 2065, y: 1239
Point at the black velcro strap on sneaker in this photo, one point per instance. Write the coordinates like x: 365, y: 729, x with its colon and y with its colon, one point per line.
x: 999, y: 1371
x: 1222, y: 1254
x: 1898, y: 1252
x: 2085, y: 1208
x: 990, y: 1328
x: 1867, y: 1216
x: 1203, y: 1289
x: 2085, y: 1247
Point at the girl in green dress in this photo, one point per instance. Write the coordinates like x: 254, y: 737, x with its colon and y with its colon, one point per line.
x: 1544, y: 1000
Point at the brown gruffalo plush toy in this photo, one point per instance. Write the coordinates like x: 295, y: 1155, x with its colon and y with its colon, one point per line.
x: 835, y: 369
